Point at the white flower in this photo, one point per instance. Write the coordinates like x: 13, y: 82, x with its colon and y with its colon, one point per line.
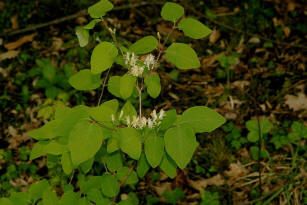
x: 135, y: 122
x: 137, y: 71
x: 150, y: 61
x: 161, y: 114
x: 128, y: 121
x: 121, y: 115
x: 149, y: 123
x: 154, y: 115
x: 127, y: 58
x: 142, y: 122
x: 133, y: 60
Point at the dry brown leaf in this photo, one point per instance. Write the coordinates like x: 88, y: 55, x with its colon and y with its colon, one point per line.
x: 254, y: 40
x: 163, y: 29
x: 214, y: 36
x: 235, y: 171
x: 291, y: 6
x: 2, y: 4
x: 286, y: 31
x: 296, y: 102
x: 20, y: 42
x: 163, y: 186
x: 14, y: 22
x: 216, y: 180
x: 8, y: 55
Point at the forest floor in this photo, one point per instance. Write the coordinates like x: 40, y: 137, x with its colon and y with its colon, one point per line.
x: 253, y: 70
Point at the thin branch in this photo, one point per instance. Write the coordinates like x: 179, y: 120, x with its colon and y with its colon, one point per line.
x: 73, y: 16
x: 102, y: 125
x: 127, y: 176
x: 259, y: 155
x: 103, y: 86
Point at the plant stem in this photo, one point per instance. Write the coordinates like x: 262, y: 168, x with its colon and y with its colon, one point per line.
x: 259, y: 154
x: 103, y: 86
x: 165, y: 41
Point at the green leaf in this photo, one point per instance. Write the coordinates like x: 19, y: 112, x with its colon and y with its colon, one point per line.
x: 172, y: 11
x: 92, y: 182
x: 5, y: 201
x: 96, y: 196
x: 128, y: 110
x: 100, y: 8
x: 49, y: 71
x: 154, y: 149
x: 169, y: 119
x: 69, y: 121
x: 194, y: 28
x: 20, y: 198
x: 44, y: 132
x: 265, y: 126
x: 36, y: 189
x: 103, y: 57
x: 87, y: 165
x: 153, y: 85
x: 122, y: 174
x: 38, y: 150
x: 84, y: 141
x: 66, y: 163
x: 202, y: 119
x: 82, y: 35
x: 112, y: 145
x: 130, y: 142
x: 104, y: 112
x: 69, y: 198
x: 145, y: 45
x: 180, y: 144
x: 168, y: 166
x: 127, y: 85
x: 85, y: 80
x: 55, y: 148
x: 143, y: 166
x: 114, y: 86
x: 109, y: 185
x: 91, y: 24
x: 50, y: 197
x: 84, y: 201
x: 182, y: 56
x: 114, y: 161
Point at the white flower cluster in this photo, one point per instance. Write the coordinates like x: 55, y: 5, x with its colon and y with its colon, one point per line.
x: 139, y: 122
x: 136, y: 70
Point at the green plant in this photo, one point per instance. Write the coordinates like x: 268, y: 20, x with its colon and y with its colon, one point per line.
x: 52, y: 79
x: 172, y: 197
x: 234, y: 135
x: 126, y: 142
x: 208, y: 198
x: 226, y: 61
x: 256, y: 128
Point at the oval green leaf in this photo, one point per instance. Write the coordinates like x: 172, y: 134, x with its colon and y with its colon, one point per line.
x: 172, y: 11
x: 180, y: 144
x: 194, y: 28
x: 182, y: 56
x: 127, y: 85
x: 202, y: 119
x: 144, y: 45
x: 153, y: 85
x: 100, y: 8
x: 103, y: 57
x: 109, y: 185
x: 130, y: 142
x: 82, y: 35
x: 85, y: 80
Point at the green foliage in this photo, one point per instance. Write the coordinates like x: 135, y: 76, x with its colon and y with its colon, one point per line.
x: 208, y: 198
x: 194, y: 28
x: 172, y: 11
x: 85, y: 80
x: 252, y: 126
x: 172, y: 197
x: 182, y: 56
x: 144, y: 45
x: 113, y: 138
x: 103, y: 57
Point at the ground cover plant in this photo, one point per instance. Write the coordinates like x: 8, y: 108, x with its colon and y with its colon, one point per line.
x: 126, y: 102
